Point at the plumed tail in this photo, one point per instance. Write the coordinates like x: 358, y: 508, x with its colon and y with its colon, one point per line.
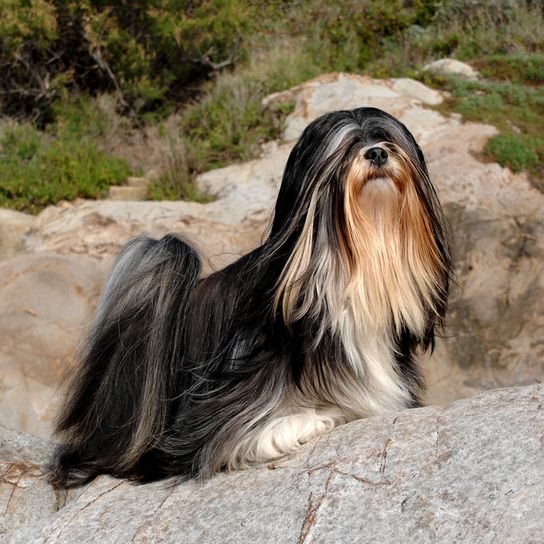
x: 118, y: 399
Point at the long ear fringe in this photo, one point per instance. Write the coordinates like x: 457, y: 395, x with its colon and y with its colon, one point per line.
x: 118, y: 398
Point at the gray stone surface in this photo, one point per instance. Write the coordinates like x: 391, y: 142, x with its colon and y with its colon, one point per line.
x: 17, y: 445
x: 25, y: 495
x: 467, y: 472
x: 13, y: 226
x: 452, y: 66
x: 127, y: 192
x: 418, y: 91
x: 99, y: 228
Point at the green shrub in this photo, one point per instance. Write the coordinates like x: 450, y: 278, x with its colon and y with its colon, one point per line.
x: 517, y: 67
x: 149, y: 52
x: 517, y: 151
x: 38, y: 169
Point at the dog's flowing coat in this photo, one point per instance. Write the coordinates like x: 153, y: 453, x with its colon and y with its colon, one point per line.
x: 187, y: 375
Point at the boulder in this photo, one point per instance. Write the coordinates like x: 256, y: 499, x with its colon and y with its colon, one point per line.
x: 467, y: 472
x: 98, y: 229
x: 13, y: 226
x: 452, y: 66
x: 25, y: 495
x: 45, y: 300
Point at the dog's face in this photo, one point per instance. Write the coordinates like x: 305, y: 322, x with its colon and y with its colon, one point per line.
x: 356, y: 202
x: 363, y: 153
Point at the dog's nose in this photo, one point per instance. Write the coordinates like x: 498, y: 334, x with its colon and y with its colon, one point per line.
x: 377, y: 156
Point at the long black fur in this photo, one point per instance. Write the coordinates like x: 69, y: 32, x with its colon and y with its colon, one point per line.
x: 177, y: 367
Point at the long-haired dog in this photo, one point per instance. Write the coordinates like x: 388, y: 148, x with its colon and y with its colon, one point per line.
x: 188, y: 375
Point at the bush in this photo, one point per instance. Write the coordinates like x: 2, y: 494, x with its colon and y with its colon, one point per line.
x: 150, y: 53
x: 38, y: 168
x: 516, y: 151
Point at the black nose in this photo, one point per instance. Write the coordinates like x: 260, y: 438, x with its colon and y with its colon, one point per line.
x: 377, y: 156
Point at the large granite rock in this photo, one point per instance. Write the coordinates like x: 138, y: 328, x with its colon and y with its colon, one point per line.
x: 44, y: 302
x: 99, y: 228
x: 495, y: 333
x: 467, y: 472
x: 13, y: 226
x: 25, y: 495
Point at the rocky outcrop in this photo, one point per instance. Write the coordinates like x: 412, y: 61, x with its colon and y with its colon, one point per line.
x: 495, y: 333
x: 467, y: 472
x: 452, y: 66
x: 25, y: 495
x: 44, y: 301
x: 13, y: 226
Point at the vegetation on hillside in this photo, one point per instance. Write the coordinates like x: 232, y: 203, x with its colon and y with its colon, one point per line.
x: 207, y: 65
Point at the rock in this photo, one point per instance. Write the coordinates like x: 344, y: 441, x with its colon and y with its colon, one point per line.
x: 44, y: 301
x: 418, y: 91
x: 325, y: 93
x: 100, y: 228
x: 127, y: 192
x: 16, y: 445
x: 13, y: 226
x: 139, y: 181
x: 452, y: 66
x: 467, y: 472
x: 25, y: 495
x: 495, y: 333
x: 135, y: 188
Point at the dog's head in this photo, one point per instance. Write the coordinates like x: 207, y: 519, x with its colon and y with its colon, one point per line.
x: 357, y: 205
x: 341, y: 153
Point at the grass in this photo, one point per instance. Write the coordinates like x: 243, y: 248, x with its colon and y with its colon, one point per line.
x: 228, y: 123
x: 290, y: 43
x: 510, y: 98
x: 39, y: 168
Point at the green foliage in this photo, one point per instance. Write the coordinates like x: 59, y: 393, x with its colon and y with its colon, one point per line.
x: 228, y: 123
x: 176, y: 181
x: 38, y: 169
x: 516, y: 67
x: 518, y: 152
x: 213, y: 61
x: 149, y: 52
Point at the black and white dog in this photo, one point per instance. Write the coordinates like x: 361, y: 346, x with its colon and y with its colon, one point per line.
x: 188, y: 375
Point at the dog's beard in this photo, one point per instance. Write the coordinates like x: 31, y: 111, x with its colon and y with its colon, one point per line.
x: 393, y: 256
x: 379, y: 201
x: 377, y: 276
x: 384, y: 258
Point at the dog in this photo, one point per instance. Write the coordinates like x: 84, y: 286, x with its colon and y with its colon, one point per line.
x: 184, y: 375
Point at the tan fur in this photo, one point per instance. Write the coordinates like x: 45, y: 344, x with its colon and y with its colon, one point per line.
x: 290, y: 286
x: 386, y: 279
x: 393, y: 248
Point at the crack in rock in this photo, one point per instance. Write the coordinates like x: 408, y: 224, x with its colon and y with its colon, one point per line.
x: 384, y: 455
x: 312, y: 510
x: 86, y: 506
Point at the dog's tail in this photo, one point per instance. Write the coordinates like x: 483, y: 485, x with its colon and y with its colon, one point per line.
x: 118, y: 402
